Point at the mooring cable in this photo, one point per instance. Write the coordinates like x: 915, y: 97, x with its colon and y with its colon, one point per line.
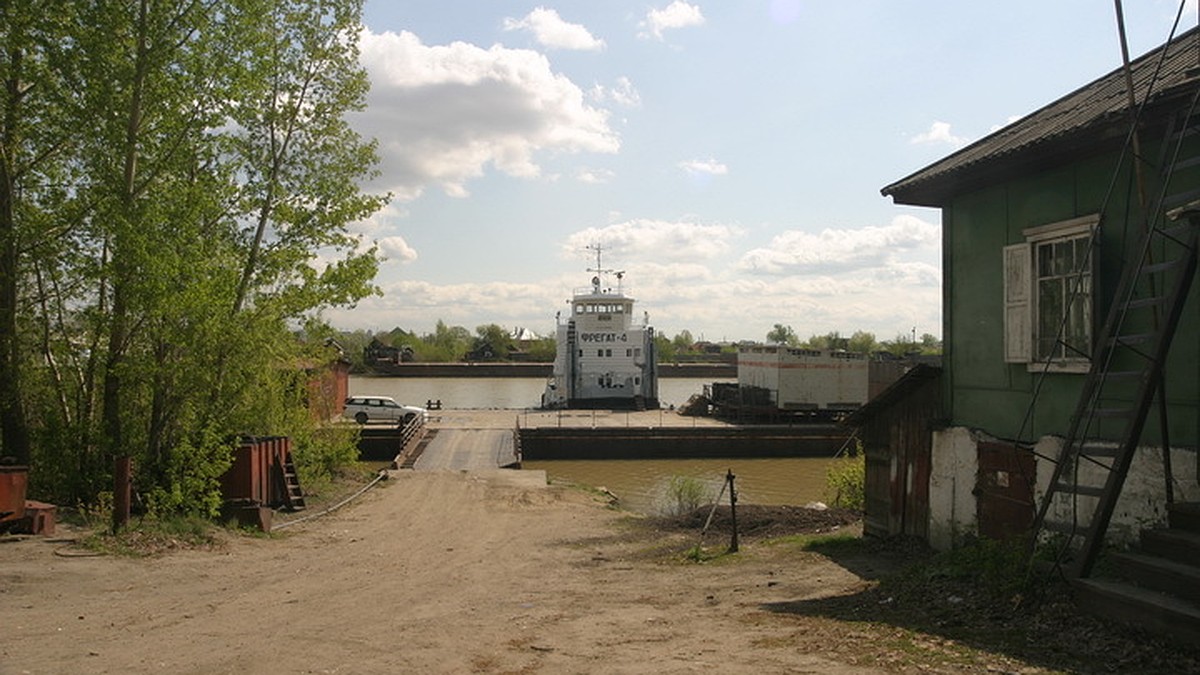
x: 383, y: 475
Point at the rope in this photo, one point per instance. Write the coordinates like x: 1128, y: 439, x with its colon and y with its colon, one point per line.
x: 383, y: 474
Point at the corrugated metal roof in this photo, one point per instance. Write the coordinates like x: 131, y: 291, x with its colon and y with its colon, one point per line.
x: 1099, y: 104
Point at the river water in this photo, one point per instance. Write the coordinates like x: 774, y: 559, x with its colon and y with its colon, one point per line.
x: 641, y: 485
x: 496, y: 392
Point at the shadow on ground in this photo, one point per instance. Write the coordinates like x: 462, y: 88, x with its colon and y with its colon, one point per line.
x: 984, y: 602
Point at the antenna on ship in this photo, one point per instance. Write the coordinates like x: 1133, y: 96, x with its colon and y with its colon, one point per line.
x: 599, y: 269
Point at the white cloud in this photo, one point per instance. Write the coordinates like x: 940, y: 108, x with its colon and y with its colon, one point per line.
x: 594, y: 176
x: 939, y: 134
x: 443, y: 114
x: 797, y: 252
x: 690, y: 276
x: 653, y: 240
x: 704, y: 167
x: 677, y: 272
x: 550, y: 30
x: 397, y: 249
x: 622, y: 93
x: 678, y: 14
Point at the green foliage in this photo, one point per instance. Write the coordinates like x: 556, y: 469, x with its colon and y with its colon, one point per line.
x: 492, y: 343
x: 862, y: 342
x: 782, y: 335
x: 178, y: 169
x: 832, y: 340
x: 446, y: 343
x: 905, y: 344
x: 685, y: 494
x: 845, y: 481
x: 152, y: 536
x: 542, y: 350
x: 320, y: 454
x: 667, y: 352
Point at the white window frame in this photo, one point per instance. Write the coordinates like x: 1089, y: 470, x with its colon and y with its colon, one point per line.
x: 1021, y: 312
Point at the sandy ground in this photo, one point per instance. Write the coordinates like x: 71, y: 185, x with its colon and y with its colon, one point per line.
x: 441, y: 572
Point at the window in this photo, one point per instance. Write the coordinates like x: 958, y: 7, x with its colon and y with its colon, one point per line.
x: 1048, y: 295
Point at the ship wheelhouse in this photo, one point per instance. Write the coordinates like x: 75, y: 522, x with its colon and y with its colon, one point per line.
x: 605, y: 358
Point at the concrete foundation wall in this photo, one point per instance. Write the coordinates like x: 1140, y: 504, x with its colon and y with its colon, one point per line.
x: 953, y: 511
x: 1143, y: 501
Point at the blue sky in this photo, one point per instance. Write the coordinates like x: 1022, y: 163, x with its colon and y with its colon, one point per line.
x: 727, y: 155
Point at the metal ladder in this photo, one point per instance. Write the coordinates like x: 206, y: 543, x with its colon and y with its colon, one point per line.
x: 1124, y: 378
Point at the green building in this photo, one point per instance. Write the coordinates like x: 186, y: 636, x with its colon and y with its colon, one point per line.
x: 1043, y: 223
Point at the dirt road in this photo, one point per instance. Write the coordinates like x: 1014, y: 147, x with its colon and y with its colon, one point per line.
x: 444, y: 572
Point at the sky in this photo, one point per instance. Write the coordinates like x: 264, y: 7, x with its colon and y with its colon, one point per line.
x: 726, y: 156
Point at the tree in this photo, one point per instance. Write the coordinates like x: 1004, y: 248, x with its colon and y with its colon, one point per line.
x: 665, y: 348
x: 165, y: 187
x: 35, y: 135
x: 930, y: 344
x: 543, y: 350
x: 862, y: 342
x: 683, y: 341
x: 301, y: 159
x: 782, y: 335
x: 829, y: 341
x: 492, y: 342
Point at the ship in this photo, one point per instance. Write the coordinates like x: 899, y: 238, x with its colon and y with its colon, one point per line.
x: 604, y: 358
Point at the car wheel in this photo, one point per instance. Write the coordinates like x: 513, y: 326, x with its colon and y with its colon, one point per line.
x: 360, y: 417
x: 408, y: 417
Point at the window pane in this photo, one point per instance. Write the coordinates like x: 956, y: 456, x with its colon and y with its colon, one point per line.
x: 1064, y: 299
x: 1050, y: 312
x: 1045, y: 261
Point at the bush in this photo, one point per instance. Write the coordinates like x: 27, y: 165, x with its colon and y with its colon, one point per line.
x: 845, y: 479
x: 685, y: 494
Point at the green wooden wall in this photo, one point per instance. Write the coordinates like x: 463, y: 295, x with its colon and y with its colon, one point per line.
x: 984, y: 392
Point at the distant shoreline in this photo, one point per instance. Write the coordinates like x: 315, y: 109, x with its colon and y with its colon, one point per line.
x: 718, y: 370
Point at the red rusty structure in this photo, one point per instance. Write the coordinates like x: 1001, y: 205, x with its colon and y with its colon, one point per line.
x: 18, y: 514
x: 262, y: 476
x: 328, y: 388
x: 13, y: 482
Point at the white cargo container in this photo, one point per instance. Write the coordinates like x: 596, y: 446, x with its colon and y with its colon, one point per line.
x: 806, y: 379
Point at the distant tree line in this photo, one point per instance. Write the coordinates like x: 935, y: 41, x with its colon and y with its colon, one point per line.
x: 447, y: 344
x: 490, y: 342
x: 860, y: 341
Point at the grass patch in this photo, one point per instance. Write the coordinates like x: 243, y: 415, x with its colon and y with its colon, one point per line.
x: 150, y: 537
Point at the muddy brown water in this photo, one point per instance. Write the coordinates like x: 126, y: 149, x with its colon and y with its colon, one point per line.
x: 643, y: 485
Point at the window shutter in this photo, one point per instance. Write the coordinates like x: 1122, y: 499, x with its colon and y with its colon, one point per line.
x: 1018, y: 310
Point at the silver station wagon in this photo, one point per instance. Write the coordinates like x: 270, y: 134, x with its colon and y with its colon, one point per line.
x: 365, y: 409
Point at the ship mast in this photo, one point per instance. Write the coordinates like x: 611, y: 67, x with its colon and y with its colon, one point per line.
x: 599, y: 269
